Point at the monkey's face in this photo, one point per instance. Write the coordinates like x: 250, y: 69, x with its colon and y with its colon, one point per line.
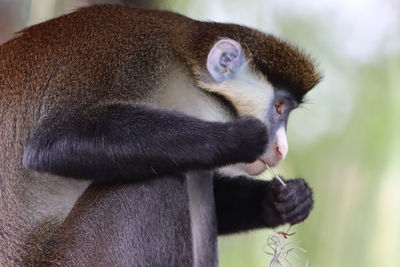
x: 251, y: 94
x: 276, y: 120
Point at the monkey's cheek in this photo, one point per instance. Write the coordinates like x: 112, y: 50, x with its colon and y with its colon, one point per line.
x: 255, y: 168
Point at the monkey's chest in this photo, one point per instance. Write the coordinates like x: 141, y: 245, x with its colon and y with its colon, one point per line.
x: 203, y: 218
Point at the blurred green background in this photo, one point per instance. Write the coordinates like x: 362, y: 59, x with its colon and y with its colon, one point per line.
x: 344, y: 141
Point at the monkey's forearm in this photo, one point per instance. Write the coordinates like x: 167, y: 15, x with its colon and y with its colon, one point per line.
x: 128, y: 142
x: 238, y: 202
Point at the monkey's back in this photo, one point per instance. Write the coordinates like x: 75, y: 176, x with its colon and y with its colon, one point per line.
x: 101, y: 54
x: 43, y: 70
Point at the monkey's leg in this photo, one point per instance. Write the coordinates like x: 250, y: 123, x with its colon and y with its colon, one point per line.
x: 139, y: 224
x: 128, y: 142
x: 244, y: 203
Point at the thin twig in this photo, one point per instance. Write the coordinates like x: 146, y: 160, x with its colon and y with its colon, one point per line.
x: 275, y: 175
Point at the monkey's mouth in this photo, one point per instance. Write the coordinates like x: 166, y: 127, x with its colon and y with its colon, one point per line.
x: 256, y: 167
x: 260, y: 165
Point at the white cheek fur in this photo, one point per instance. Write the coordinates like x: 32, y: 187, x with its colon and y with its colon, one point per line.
x: 250, y: 93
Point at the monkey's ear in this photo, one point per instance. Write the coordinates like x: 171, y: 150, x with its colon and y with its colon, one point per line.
x: 225, y: 59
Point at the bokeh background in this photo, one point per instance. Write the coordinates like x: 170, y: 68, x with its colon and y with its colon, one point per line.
x: 344, y: 141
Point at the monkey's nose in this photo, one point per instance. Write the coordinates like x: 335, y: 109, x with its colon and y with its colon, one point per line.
x: 278, y: 152
x: 281, y: 151
x: 281, y: 145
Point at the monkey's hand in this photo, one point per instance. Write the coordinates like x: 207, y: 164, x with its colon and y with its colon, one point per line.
x: 248, y: 137
x: 291, y: 204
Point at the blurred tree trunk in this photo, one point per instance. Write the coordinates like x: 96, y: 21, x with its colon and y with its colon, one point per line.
x: 9, y: 19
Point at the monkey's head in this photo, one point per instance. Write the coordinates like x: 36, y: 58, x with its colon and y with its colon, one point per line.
x: 263, y: 77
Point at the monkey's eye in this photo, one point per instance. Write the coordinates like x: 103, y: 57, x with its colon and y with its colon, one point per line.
x: 278, y: 108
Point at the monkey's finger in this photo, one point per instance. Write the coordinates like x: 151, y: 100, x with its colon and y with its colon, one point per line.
x: 299, y: 198
x: 292, y: 189
x: 301, y: 212
x: 278, y: 189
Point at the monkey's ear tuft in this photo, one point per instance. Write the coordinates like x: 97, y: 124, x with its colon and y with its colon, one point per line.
x: 225, y: 59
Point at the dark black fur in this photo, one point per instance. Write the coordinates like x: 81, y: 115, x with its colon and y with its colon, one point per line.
x: 129, y: 142
x: 243, y: 203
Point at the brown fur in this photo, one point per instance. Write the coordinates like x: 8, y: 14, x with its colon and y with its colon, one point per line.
x: 83, y: 58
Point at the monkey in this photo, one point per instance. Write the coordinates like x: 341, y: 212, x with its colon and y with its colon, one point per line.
x: 130, y: 137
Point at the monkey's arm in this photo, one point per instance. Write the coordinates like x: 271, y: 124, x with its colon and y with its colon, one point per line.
x: 131, y: 142
x: 243, y: 203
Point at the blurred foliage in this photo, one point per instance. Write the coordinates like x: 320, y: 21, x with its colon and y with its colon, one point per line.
x: 343, y: 141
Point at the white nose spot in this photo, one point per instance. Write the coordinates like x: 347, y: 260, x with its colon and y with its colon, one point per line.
x: 281, y: 144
